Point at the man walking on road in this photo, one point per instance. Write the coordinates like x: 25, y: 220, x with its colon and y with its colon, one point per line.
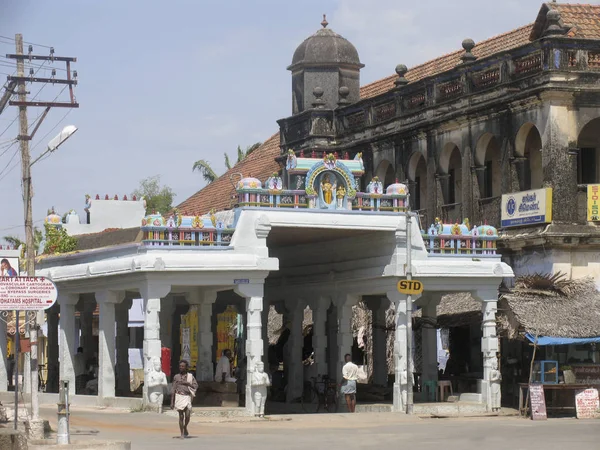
x: 349, y: 375
x: 184, y: 391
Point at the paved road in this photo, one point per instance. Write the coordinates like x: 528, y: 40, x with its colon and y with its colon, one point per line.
x: 336, y: 431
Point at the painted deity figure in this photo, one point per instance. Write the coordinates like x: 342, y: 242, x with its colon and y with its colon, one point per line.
x: 341, y: 193
x: 157, y: 384
x: 259, y: 383
x: 495, y: 388
x: 327, y: 188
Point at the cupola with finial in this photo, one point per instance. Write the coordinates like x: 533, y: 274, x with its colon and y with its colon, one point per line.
x: 329, y: 62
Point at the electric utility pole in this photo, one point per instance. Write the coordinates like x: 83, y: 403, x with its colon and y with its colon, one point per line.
x: 24, y: 139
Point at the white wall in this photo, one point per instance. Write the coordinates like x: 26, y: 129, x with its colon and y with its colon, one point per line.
x: 109, y: 214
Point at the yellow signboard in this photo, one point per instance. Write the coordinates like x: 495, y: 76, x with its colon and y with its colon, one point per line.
x: 593, y: 203
x: 412, y: 287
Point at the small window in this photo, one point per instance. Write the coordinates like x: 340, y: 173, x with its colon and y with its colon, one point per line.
x: 451, y: 186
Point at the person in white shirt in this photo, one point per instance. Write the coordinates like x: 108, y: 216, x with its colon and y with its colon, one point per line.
x: 349, y: 375
x: 223, y: 370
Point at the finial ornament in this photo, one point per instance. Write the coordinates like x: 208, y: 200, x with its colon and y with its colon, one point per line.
x: 324, y: 23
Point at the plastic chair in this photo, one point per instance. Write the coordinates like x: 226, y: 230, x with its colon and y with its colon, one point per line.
x: 430, y: 390
x: 444, y: 386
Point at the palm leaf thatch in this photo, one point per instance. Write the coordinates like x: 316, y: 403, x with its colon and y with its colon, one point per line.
x: 550, y: 305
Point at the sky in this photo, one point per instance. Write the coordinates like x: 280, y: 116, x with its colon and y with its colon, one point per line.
x: 163, y: 84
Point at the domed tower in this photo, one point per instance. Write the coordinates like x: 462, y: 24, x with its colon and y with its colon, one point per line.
x: 328, y: 61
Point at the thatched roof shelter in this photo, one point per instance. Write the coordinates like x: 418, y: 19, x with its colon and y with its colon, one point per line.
x: 550, y: 305
x: 455, y: 310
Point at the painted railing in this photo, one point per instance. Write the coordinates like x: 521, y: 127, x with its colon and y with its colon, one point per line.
x: 457, y: 245
x: 169, y: 237
x: 379, y: 202
x: 298, y: 199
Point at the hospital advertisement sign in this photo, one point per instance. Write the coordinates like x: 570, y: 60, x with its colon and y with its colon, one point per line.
x: 527, y: 208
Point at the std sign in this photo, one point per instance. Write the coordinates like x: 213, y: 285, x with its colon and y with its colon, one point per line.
x: 26, y: 293
x: 410, y: 287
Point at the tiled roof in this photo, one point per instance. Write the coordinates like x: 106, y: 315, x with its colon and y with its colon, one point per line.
x: 583, y: 21
x: 108, y: 238
x: 502, y: 42
x: 218, y: 194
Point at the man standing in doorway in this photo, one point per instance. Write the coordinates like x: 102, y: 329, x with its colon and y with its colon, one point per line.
x: 349, y: 375
x: 184, y: 391
x: 223, y: 370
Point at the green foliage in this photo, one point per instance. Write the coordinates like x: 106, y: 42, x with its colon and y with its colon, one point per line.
x: 58, y: 241
x: 207, y: 171
x: 158, y: 198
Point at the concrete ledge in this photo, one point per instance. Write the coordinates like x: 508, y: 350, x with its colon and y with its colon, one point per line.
x: 449, y: 409
x: 87, y: 445
x: 77, y: 400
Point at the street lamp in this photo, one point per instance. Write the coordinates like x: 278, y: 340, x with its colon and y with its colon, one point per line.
x: 56, y: 142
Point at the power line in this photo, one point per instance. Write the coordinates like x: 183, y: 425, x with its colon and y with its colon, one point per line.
x: 8, y: 163
x: 12, y: 41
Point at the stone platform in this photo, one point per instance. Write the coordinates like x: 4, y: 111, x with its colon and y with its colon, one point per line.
x: 213, y: 393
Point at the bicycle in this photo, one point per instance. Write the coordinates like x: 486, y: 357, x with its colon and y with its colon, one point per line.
x: 324, y: 391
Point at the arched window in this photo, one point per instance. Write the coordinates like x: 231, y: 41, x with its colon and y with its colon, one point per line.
x: 588, y: 159
x: 417, y: 174
x: 528, y: 146
x: 487, y: 158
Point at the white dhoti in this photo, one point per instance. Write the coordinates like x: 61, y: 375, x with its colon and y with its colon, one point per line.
x: 183, y: 402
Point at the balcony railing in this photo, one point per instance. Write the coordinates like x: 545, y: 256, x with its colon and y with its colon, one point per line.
x: 482, y: 75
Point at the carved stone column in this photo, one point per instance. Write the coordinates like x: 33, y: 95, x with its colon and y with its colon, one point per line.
x: 400, y: 352
x: 67, y: 304
x: 152, y: 292
x: 253, y: 293
x: 489, y: 340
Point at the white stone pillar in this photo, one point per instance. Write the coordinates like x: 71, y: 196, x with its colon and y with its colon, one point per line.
x: 107, y: 342
x: 378, y: 306
x: 3, y: 363
x: 265, y: 334
x: 295, y: 380
x: 67, y: 348
x: 400, y: 352
x: 122, y: 368
x: 489, y: 340
x: 204, y: 301
x: 429, y: 339
x: 253, y: 293
x: 319, y: 310
x: 344, y: 304
x: 53, y: 349
x: 152, y: 292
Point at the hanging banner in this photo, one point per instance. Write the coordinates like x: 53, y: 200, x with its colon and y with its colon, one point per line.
x: 593, y: 203
x: 527, y: 208
x: 27, y: 293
